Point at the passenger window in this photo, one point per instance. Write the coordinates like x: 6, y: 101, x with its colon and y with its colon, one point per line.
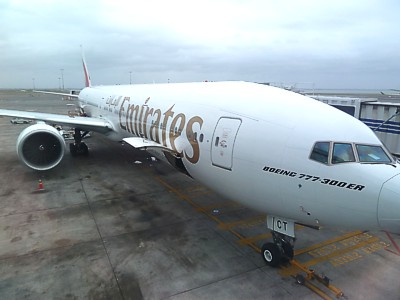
x: 342, y: 153
x: 374, y: 154
x: 320, y: 152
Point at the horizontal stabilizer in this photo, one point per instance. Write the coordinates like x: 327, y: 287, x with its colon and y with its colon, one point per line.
x: 56, y: 93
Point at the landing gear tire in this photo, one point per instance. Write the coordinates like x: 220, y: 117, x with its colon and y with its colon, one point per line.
x: 72, y: 149
x: 271, y: 254
x: 83, y: 149
x: 80, y: 148
x: 288, y: 251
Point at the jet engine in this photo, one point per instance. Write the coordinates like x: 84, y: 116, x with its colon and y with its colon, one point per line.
x: 40, y: 147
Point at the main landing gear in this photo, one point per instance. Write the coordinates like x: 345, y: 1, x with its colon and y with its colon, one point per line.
x: 281, y: 249
x: 79, y: 147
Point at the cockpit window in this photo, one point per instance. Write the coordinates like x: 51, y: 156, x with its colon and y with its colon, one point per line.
x: 372, y: 154
x: 331, y: 153
x: 342, y: 153
x: 320, y: 152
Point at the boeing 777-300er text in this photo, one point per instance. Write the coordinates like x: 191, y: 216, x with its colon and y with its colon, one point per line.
x: 294, y: 158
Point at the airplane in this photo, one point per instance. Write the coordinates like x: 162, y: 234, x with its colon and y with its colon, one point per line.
x: 296, y: 159
x: 391, y: 94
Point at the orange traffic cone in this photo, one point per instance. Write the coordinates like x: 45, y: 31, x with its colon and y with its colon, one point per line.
x: 40, y: 187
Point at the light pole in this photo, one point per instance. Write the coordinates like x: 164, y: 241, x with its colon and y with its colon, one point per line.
x: 130, y: 77
x: 62, y: 77
x: 59, y: 83
x: 33, y: 83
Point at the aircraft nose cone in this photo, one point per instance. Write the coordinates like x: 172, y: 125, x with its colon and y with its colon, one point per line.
x: 389, y: 205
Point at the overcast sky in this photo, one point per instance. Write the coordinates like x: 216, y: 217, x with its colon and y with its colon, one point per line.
x: 333, y: 44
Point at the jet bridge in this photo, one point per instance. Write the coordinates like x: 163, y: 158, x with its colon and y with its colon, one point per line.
x: 381, y: 117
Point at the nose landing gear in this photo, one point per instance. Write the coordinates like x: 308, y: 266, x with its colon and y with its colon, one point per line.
x: 281, y: 249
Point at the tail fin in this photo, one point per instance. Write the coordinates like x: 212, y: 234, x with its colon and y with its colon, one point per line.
x: 85, y: 70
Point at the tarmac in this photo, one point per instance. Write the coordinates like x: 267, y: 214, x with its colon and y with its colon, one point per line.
x: 119, y: 224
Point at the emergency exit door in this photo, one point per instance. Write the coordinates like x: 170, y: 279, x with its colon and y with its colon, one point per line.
x: 224, y: 142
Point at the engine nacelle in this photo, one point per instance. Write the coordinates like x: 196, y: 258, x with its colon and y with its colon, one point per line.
x: 40, y: 147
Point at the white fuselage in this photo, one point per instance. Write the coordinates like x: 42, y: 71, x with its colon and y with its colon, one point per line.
x: 252, y: 143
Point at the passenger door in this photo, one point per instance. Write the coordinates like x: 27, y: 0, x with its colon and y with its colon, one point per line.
x: 224, y: 141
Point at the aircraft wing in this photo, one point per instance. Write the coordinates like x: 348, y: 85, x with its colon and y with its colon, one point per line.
x: 55, y: 93
x: 83, y: 123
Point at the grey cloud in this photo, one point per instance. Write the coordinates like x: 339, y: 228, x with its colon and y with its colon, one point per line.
x: 336, y: 46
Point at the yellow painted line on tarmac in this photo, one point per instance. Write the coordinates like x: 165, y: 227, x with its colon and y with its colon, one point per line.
x: 238, y: 235
x: 263, y: 236
x: 253, y: 239
x: 200, y: 209
x: 339, y: 252
x: 289, y: 270
x: 219, y: 205
x: 328, y: 242
x: 226, y: 226
x: 317, y: 290
x: 250, y: 240
x: 294, y: 269
x: 186, y: 198
x: 312, y: 275
x: 197, y: 193
x: 196, y: 189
